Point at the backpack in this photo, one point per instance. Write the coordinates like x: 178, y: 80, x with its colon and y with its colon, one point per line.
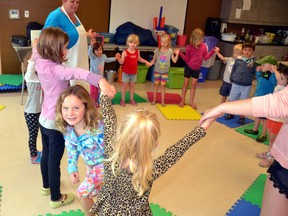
x: 32, y: 26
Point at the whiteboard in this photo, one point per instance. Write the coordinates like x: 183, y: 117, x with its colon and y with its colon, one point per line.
x: 141, y: 13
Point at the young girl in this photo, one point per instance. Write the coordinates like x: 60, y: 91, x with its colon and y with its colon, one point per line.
x: 229, y: 61
x: 32, y: 108
x: 131, y: 168
x: 274, y: 124
x: 54, y: 78
x: 97, y: 62
x: 129, y: 59
x: 79, y: 121
x: 162, y: 57
x: 195, y: 52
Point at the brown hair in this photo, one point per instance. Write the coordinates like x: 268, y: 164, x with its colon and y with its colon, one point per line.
x: 97, y: 45
x: 51, y: 44
x: 91, y: 116
x: 248, y: 45
x: 196, y: 35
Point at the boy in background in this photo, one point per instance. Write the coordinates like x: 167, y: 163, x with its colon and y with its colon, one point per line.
x: 241, y: 77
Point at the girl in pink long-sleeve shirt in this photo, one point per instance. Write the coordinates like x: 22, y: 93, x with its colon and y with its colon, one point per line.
x: 275, y: 197
x: 54, y: 78
x: 195, y: 52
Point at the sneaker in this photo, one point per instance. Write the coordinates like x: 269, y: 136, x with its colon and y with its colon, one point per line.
x: 45, y: 191
x: 66, y: 199
x: 229, y: 116
x: 37, y: 158
x: 251, y: 131
x: 241, y: 120
x: 261, y: 138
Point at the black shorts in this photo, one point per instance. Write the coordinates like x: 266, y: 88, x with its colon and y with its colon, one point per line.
x: 188, y: 72
x: 279, y: 177
x: 225, y: 89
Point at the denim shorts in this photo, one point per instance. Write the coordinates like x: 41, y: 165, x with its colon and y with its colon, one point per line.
x: 128, y: 77
x: 279, y: 177
x: 239, y: 92
x: 225, y: 89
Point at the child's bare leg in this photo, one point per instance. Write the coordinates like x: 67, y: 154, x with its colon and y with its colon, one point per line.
x: 223, y: 99
x: 131, y: 89
x: 264, y: 127
x: 184, y: 90
x: 256, y: 124
x: 86, y: 204
x: 155, y: 90
x: 163, y: 89
x: 193, y: 92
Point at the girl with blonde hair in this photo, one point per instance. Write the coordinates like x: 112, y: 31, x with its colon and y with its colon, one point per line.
x: 131, y: 166
x: 195, y: 52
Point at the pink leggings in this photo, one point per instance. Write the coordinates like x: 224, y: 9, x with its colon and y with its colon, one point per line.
x: 94, y: 93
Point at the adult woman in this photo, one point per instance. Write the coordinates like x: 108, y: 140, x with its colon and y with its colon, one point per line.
x: 65, y: 18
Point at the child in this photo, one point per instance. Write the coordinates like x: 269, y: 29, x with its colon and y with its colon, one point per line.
x: 229, y: 61
x: 97, y: 62
x: 241, y: 77
x: 32, y: 108
x: 274, y: 124
x: 79, y: 121
x: 266, y: 82
x: 275, y: 196
x: 162, y: 57
x: 129, y: 59
x: 54, y: 78
x: 195, y: 52
x: 131, y: 168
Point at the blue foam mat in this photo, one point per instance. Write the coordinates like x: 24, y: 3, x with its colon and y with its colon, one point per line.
x: 233, y: 123
x: 10, y: 87
x: 243, y: 208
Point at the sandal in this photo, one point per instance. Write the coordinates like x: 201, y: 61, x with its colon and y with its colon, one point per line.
x: 65, y: 199
x: 181, y: 104
x: 193, y: 106
x: 122, y: 103
x: 163, y: 104
x: 266, y: 162
x: 133, y: 103
x: 261, y: 138
x: 45, y: 191
x: 263, y: 155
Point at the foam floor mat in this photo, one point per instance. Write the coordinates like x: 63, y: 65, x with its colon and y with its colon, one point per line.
x: 11, y: 79
x: 5, y: 87
x: 250, y: 126
x: 2, y: 107
x: 137, y: 98
x: 233, y: 123
x: 174, y: 112
x: 156, y: 211
x: 251, y: 201
x: 170, y: 98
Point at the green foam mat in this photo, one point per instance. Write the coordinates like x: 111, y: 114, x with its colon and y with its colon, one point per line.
x: 250, y: 126
x: 137, y: 98
x: 255, y: 192
x: 156, y: 210
x: 11, y: 79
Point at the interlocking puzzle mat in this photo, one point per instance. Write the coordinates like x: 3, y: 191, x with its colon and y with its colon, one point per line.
x: 170, y: 98
x: 250, y: 126
x: 233, y: 123
x: 2, y: 107
x: 5, y: 87
x: 11, y: 79
x: 251, y: 201
x: 156, y: 210
x: 137, y: 98
x: 174, y: 112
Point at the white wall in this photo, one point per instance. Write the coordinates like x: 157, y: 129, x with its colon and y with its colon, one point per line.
x: 141, y: 13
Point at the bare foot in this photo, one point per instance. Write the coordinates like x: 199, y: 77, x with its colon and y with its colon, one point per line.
x: 193, y: 106
x: 181, y: 104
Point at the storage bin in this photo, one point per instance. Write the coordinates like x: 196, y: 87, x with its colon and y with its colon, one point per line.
x: 108, y: 37
x: 173, y: 31
x: 203, y: 74
x: 110, y: 75
x: 142, y: 73
x: 210, y: 42
x: 214, y: 71
x: 176, y: 78
x: 181, y: 40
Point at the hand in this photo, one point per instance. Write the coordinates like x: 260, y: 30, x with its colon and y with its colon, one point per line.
x: 274, y: 68
x: 259, y: 68
x: 117, y: 56
x: 148, y: 64
x: 106, y: 88
x: 176, y: 51
x: 93, y: 41
x: 91, y: 33
x: 74, y: 177
x: 210, y: 116
x: 216, y: 49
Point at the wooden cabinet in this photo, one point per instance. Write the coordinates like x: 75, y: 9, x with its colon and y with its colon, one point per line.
x: 261, y: 12
x: 226, y: 49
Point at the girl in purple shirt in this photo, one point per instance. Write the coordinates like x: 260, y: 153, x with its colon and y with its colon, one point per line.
x: 54, y: 78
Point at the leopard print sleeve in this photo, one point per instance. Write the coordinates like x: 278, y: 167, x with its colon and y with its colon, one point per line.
x: 110, y: 122
x: 176, y: 151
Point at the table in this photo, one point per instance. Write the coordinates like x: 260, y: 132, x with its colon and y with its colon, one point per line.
x: 21, y: 53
